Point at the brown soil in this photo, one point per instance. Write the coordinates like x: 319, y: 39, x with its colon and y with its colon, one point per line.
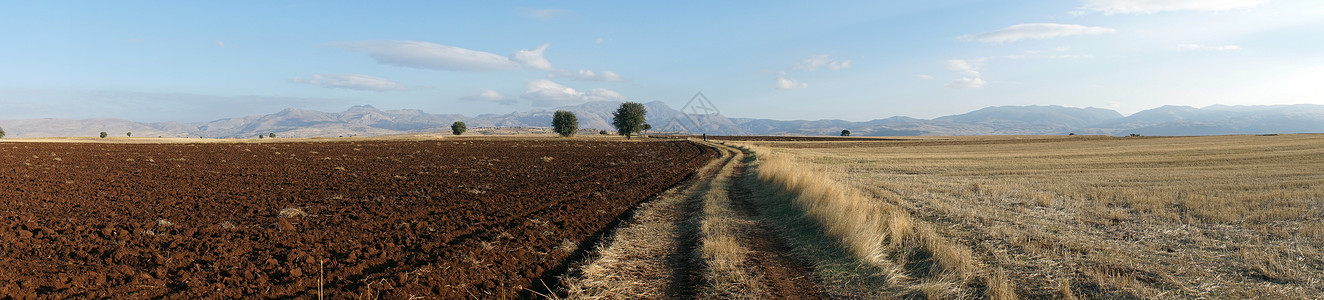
x: 449, y: 219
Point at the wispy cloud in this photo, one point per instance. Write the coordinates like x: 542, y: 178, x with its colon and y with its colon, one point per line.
x: 784, y: 83
x: 1197, y: 47
x: 964, y: 67
x: 491, y: 96
x: 967, y: 83
x: 545, y: 93
x: 425, y: 55
x: 813, y: 63
x: 544, y: 13
x: 925, y: 77
x: 599, y: 41
x: 219, y: 43
x: 1034, y: 31
x: 1109, y: 7
x: 971, y: 78
x: 350, y: 81
x: 586, y: 75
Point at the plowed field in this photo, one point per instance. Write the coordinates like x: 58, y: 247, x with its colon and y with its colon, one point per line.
x: 391, y: 219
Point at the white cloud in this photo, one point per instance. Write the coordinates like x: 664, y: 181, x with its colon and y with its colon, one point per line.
x: 1196, y: 47
x: 350, y: 81
x: 587, y: 75
x: 1072, y: 56
x: 967, y: 83
x: 425, y: 55
x: 219, y: 43
x: 784, y: 83
x: 963, y: 66
x: 1109, y: 7
x: 532, y: 59
x: 925, y: 77
x: 816, y: 62
x: 543, y: 14
x: 599, y: 41
x: 547, y: 93
x: 971, y: 78
x: 1034, y: 31
x: 488, y: 95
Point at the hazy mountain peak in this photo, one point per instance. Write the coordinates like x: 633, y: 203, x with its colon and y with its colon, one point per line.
x: 1034, y: 119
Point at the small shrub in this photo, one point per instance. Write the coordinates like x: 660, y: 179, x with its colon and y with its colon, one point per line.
x: 845, y: 132
x: 602, y: 132
x: 2, y: 132
x: 272, y: 135
x: 103, y: 134
x: 128, y: 134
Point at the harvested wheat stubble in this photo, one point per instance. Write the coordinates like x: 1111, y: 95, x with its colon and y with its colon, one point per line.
x: 1108, y: 217
x: 385, y: 219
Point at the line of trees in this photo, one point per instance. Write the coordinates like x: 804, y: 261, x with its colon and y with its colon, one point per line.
x: 628, y: 120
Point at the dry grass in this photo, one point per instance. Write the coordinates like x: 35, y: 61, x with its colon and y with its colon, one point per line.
x: 719, y: 234
x: 877, y: 231
x: 1088, y: 217
x: 292, y: 212
x: 637, y: 260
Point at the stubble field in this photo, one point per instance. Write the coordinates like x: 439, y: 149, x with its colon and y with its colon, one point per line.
x: 462, y: 218
x: 1070, y: 217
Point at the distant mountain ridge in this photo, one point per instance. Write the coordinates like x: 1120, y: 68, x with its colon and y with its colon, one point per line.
x: 365, y: 120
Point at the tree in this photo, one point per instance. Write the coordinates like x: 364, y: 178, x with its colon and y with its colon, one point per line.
x: 647, y: 128
x: 458, y: 128
x: 260, y: 136
x: 2, y: 132
x: 565, y: 123
x: 602, y: 132
x: 845, y: 132
x: 103, y: 134
x: 629, y: 118
x: 272, y: 135
x: 128, y: 134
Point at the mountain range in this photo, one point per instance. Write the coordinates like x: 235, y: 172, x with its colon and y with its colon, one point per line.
x: 365, y: 120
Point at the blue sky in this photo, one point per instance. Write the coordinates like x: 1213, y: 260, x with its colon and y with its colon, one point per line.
x: 851, y: 60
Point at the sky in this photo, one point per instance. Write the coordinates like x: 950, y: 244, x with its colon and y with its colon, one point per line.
x: 192, y: 61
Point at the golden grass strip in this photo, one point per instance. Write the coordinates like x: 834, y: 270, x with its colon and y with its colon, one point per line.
x: 634, y: 262
x: 724, y: 257
x: 879, y: 233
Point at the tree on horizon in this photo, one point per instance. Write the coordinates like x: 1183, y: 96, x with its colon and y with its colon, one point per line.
x: 458, y: 128
x: 629, y: 118
x: 565, y: 123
